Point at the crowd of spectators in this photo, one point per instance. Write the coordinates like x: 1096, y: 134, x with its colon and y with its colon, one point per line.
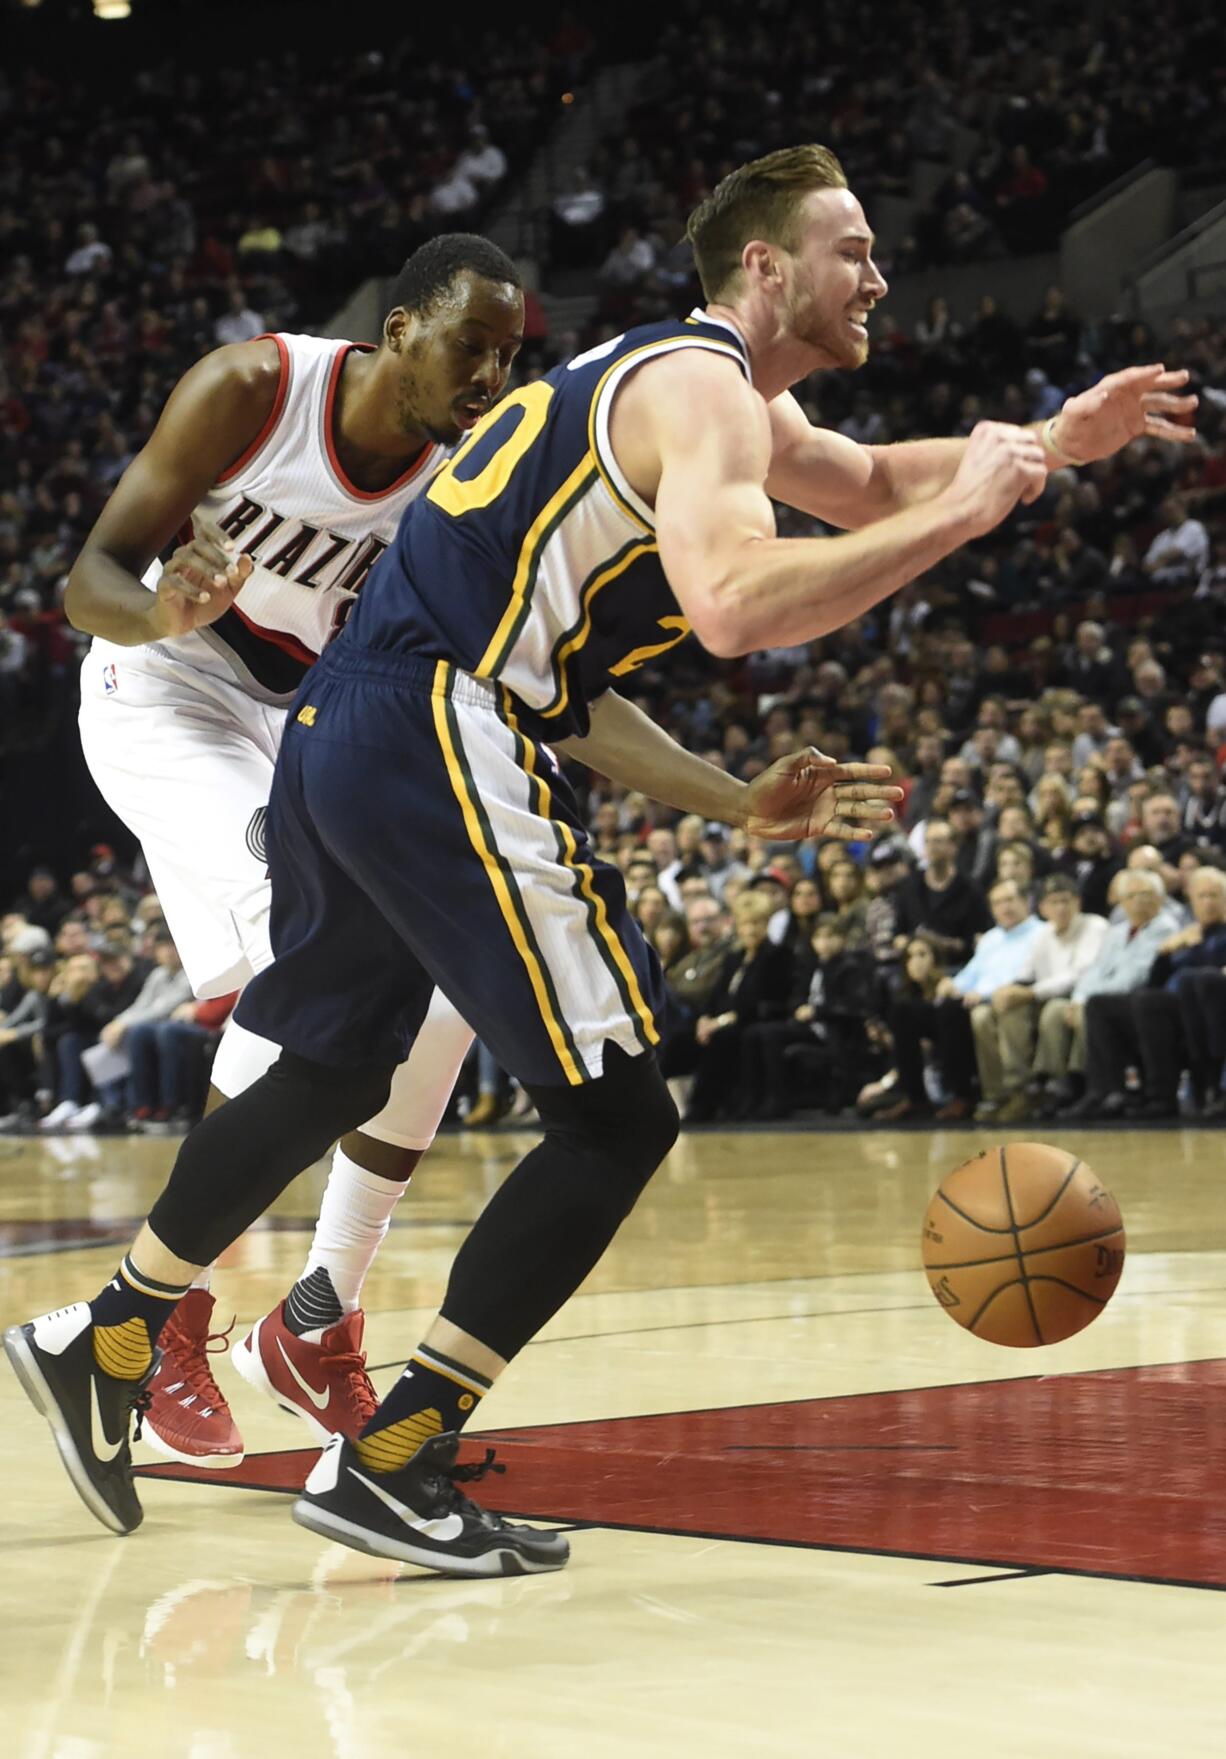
x: 143, y: 223
x: 99, y: 1032
x: 1019, y: 115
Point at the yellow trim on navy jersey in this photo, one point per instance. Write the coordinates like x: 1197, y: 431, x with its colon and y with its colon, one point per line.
x: 608, y: 942
x: 575, y: 640
x: 537, y: 536
x: 664, y: 345
x: 516, y: 919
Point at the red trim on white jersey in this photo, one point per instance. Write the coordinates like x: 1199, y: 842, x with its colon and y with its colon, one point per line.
x: 342, y: 476
x: 265, y: 433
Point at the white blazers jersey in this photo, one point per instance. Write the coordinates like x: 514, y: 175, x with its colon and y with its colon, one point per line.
x: 312, y: 534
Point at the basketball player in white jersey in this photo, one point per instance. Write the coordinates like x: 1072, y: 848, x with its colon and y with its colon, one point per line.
x: 281, y: 467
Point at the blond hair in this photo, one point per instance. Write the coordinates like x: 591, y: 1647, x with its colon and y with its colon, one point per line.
x: 759, y: 200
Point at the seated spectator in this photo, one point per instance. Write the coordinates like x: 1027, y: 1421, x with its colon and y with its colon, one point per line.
x: 803, y: 908
x: 753, y: 986
x: 1124, y: 962
x: 166, y: 988
x: 170, y: 1062
x: 886, y: 877
x: 482, y: 162
x: 847, y: 901
x: 927, y: 1021
x: 1204, y: 803
x: 1016, y: 862
x: 454, y: 195
x: 1090, y: 860
x: 691, y: 980
x: 88, y: 992
x: 23, y: 1073
x: 1035, y: 1005
x: 1179, y: 554
x: 42, y: 903
x: 578, y: 221
x: 950, y: 909
x: 834, y: 993
x: 1146, y: 1026
x: 238, y: 323
x: 916, y: 979
x: 984, y: 987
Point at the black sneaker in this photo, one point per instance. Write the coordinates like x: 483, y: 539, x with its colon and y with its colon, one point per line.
x: 419, y: 1514
x: 89, y: 1411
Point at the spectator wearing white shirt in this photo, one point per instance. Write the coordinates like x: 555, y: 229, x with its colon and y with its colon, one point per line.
x: 1179, y: 554
x: 482, y: 162
x: 92, y: 256
x: 238, y: 323
x: 1057, y: 958
x: 631, y: 258
x: 455, y: 193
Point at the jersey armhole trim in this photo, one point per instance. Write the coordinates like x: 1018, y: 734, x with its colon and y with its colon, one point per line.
x: 611, y: 473
x: 274, y: 415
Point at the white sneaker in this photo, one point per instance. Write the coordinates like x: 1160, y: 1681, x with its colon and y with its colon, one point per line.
x: 85, y: 1118
x: 56, y: 1119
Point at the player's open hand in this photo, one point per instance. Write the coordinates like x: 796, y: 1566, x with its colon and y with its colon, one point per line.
x: 199, y: 584
x: 808, y: 795
x: 1140, y: 402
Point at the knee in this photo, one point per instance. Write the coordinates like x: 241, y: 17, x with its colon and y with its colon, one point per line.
x: 365, y: 1087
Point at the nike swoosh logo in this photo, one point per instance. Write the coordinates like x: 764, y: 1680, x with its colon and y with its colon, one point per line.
x: 319, y: 1400
x: 450, y: 1527
x: 104, y: 1449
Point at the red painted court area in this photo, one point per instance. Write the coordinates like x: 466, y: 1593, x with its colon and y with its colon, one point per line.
x: 1118, y: 1473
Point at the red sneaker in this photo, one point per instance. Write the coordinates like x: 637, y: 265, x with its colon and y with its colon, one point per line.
x: 188, y: 1418
x: 326, y: 1384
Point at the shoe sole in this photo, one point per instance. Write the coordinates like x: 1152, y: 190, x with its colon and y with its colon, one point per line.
x: 495, y: 1563
x: 249, y: 1365
x: 212, y: 1462
x: 34, y: 1385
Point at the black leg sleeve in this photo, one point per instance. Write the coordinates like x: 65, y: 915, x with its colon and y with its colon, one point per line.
x: 542, y: 1232
x: 242, y: 1156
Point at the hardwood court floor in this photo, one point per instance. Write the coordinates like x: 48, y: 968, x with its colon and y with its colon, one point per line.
x: 812, y: 1515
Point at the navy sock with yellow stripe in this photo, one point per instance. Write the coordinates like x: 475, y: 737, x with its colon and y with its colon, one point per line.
x: 128, y: 1315
x: 433, y: 1396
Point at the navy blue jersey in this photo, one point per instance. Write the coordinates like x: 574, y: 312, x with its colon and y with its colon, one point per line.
x: 531, y: 561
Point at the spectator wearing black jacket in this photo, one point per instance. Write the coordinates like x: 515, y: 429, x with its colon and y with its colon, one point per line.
x: 753, y: 986
x: 1149, y: 1025
x: 950, y: 909
x: 21, y: 1040
x: 87, y: 997
x: 834, y: 994
x: 1091, y: 862
x: 1204, y: 806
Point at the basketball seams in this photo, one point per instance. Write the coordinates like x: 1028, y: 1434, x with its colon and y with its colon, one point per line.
x: 1029, y: 1252
x: 1017, y: 1243
x: 1064, y: 1185
x: 1073, y: 1288
x: 984, y: 1227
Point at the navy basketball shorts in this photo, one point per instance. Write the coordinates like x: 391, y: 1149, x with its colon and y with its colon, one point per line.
x: 417, y: 837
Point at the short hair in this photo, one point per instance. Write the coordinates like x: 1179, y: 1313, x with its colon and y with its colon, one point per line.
x: 1056, y: 883
x: 1147, y: 877
x: 1000, y: 885
x: 759, y: 200
x: 433, y: 266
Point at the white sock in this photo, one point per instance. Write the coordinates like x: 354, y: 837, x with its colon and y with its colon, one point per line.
x: 203, y: 1278
x: 353, y: 1218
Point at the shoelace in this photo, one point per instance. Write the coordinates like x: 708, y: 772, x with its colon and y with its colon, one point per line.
x: 476, y: 1469
x: 140, y: 1404
x: 196, y: 1371
x: 351, y: 1366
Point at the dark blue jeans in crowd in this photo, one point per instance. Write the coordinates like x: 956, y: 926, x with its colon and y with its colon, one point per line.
x: 72, y: 1082
x: 167, y: 1058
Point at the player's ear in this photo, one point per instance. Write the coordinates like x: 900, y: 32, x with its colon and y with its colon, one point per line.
x: 759, y: 261
x: 398, y: 328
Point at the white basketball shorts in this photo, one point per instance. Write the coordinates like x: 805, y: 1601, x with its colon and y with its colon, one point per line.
x: 186, y: 761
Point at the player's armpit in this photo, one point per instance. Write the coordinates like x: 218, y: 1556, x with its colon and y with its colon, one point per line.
x: 214, y: 413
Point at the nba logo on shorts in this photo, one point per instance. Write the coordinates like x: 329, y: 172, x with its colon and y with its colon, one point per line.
x: 110, y: 683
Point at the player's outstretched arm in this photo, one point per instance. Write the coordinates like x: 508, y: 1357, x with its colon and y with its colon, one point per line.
x: 740, y: 586
x: 803, y: 795
x: 850, y: 485
x: 211, y: 417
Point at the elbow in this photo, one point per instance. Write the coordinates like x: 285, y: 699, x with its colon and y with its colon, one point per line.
x: 76, y: 599
x: 723, y: 623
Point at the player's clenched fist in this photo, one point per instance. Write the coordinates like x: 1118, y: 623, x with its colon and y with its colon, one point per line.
x: 198, y: 585
x: 1001, y: 466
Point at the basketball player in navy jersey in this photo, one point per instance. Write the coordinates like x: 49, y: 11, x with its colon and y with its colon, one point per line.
x: 229, y: 555
x: 587, y: 524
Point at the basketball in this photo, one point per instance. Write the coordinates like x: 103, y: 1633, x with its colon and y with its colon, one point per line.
x: 1023, y: 1245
